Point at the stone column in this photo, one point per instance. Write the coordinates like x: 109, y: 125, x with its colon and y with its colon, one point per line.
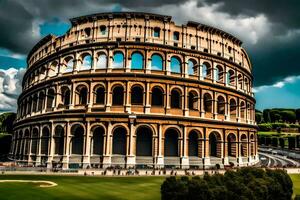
x: 206, y: 159
x: 159, y: 157
x: 38, y: 157
x: 168, y: 101
x: 107, y: 153
x: 87, y: 146
x: 108, y: 97
x: 67, y: 141
x: 51, y: 147
x: 73, y: 96
x: 186, y: 102
x: 127, y: 98
x: 130, y: 162
x: 184, y: 150
x: 148, y: 105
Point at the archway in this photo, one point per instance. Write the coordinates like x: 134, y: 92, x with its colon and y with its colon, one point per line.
x: 144, y: 141
x: 171, y: 143
x: 118, y: 96
x: 214, y: 144
x: 59, y: 140
x: 77, y: 139
x: 194, y: 144
x: 98, y: 140
x: 45, y: 141
x: 231, y: 145
x: 119, y: 141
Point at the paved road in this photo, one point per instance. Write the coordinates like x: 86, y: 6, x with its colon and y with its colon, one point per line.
x: 272, y: 160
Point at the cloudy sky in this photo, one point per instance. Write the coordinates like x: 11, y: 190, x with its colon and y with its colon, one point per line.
x: 270, y: 32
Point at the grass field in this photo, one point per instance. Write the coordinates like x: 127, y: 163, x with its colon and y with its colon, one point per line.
x: 73, y: 187
x: 296, y: 181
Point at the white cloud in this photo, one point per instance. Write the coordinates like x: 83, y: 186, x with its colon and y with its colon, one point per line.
x: 279, y: 84
x: 248, y: 28
x: 10, y: 88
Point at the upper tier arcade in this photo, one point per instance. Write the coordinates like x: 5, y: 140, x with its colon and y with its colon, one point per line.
x: 143, y: 28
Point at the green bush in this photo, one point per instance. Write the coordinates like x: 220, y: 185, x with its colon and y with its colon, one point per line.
x: 279, y: 125
x: 265, y: 127
x: 245, y: 183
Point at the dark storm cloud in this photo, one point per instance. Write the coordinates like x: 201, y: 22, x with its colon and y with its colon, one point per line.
x: 19, y: 20
x: 282, y: 12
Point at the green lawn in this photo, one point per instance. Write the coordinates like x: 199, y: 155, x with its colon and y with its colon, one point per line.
x: 296, y: 181
x: 73, y: 187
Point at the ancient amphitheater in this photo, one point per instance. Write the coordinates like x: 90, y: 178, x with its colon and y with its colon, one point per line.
x: 136, y: 90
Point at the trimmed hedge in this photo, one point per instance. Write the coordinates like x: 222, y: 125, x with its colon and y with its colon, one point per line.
x: 245, y: 183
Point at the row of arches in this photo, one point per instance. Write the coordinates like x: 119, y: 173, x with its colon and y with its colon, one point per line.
x: 144, y: 142
x: 157, y: 61
x: 206, y: 102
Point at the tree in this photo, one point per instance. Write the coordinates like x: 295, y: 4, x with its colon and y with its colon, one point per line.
x: 288, y: 116
x: 266, y: 115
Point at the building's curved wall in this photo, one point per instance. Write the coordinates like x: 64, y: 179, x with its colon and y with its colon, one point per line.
x: 157, y: 98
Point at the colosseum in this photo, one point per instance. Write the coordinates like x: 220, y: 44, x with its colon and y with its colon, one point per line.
x: 136, y: 90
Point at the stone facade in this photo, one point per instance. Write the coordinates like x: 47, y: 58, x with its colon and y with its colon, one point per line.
x: 136, y: 90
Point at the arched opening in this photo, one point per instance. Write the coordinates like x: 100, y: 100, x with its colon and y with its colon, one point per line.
x: 175, y: 65
x: 137, y: 95
x: 118, y: 60
x: 193, y: 100
x: 157, y: 97
x: 29, y: 106
x: 231, y: 145
x: 98, y: 140
x: 87, y: 32
x: 240, y: 82
x: 82, y: 92
x: 194, y: 144
x: 119, y: 141
x: 103, y: 30
x: 65, y: 96
x: 246, y: 88
x: 232, y: 107
x: 175, y: 35
x: 41, y: 101
x: 156, y: 62
x: 59, y: 138
x: 156, y: 32
x: 219, y: 73
x: 34, y: 142
x: 221, y: 105
x: 50, y: 99
x: 243, y: 145
x: 101, y: 61
x: 206, y: 70
x: 118, y: 96
x: 252, y: 145
x: 34, y: 103
x: 53, y: 69
x: 207, y: 103
x: 99, y: 97
x: 175, y: 99
x: 230, y: 78
x: 191, y: 67
x: 144, y: 141
x: 45, y: 141
x: 137, y: 61
x: 27, y: 142
x: 86, y: 62
x: 215, y: 144
x: 68, y: 65
x: 242, y: 109
x: 171, y: 143
x: 77, y: 132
